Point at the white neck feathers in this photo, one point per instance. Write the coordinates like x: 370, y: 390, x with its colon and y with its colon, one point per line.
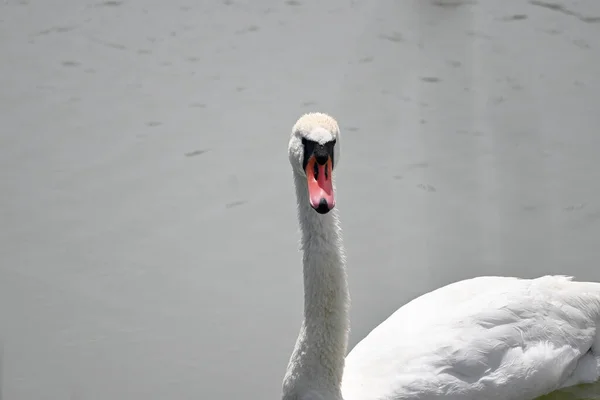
x: 317, y: 363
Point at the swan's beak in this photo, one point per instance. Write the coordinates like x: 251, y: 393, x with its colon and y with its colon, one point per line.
x: 320, y: 185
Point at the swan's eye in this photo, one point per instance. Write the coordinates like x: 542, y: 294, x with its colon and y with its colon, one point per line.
x: 330, y: 146
x: 309, y: 147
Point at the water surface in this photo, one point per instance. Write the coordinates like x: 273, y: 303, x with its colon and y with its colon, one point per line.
x: 148, y: 232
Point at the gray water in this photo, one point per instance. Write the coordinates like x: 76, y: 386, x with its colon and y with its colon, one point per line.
x: 148, y: 236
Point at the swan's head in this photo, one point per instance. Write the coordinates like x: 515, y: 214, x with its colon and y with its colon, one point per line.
x: 314, y: 150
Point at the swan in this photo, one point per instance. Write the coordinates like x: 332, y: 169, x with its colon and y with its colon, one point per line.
x: 486, y: 338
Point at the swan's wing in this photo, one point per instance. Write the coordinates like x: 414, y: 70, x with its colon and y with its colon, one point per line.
x: 484, y: 338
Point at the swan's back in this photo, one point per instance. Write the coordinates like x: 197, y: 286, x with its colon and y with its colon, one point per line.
x: 488, y: 337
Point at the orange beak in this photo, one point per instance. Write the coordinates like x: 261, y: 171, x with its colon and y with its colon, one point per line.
x: 320, y: 185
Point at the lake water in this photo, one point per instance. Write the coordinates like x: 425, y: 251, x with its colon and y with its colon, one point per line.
x: 148, y: 234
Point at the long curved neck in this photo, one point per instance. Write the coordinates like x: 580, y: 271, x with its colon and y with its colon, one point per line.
x: 317, y: 363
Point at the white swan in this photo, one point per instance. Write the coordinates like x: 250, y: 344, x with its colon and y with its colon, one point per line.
x: 484, y: 338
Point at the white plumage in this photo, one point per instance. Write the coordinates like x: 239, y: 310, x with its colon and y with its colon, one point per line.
x: 483, y: 338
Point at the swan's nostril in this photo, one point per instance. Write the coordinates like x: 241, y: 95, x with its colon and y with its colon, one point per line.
x: 323, y: 207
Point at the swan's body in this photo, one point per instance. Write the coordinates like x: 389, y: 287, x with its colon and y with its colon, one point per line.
x: 482, y: 338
